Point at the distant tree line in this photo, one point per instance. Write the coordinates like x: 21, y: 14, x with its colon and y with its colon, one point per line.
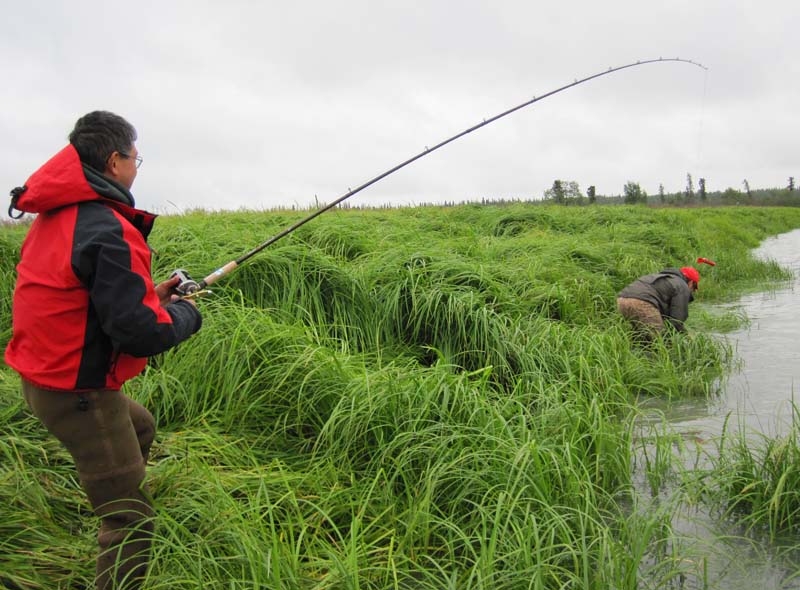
x: 568, y: 192
x: 565, y: 192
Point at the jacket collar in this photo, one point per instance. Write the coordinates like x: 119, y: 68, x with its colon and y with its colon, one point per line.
x: 106, y: 187
x: 64, y: 180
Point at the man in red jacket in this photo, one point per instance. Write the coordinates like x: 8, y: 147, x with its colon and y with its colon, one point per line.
x: 86, y: 315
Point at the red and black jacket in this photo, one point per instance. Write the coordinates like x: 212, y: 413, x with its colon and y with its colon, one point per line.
x: 85, y: 311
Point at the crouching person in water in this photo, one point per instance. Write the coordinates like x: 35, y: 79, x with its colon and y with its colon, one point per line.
x: 86, y: 314
x: 654, y: 299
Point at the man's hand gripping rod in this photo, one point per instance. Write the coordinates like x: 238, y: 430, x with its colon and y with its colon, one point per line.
x: 188, y: 288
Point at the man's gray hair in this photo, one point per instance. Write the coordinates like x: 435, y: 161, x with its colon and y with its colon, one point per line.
x: 99, y: 134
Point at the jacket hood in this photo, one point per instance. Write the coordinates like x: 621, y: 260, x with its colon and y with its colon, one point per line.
x: 65, y: 180
x: 679, y: 274
x: 674, y: 271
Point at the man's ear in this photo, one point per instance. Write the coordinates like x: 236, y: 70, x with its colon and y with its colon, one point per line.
x: 111, y: 165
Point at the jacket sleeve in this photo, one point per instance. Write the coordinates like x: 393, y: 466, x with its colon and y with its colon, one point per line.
x: 679, y: 307
x: 112, y: 260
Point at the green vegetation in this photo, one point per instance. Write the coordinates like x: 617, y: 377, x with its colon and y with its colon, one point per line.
x: 413, y: 398
x: 757, y: 481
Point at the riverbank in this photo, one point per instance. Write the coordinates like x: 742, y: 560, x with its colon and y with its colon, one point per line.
x: 428, y: 398
x: 737, y: 470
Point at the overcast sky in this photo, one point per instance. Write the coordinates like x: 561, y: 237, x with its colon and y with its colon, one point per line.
x: 263, y: 104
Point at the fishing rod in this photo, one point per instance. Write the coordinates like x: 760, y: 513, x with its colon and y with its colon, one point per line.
x: 190, y: 288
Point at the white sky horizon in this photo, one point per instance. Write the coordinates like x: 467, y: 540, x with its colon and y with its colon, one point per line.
x: 259, y: 105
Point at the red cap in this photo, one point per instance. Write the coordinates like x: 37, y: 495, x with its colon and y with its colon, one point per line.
x: 691, y: 274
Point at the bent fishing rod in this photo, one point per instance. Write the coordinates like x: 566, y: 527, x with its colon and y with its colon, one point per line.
x: 190, y: 288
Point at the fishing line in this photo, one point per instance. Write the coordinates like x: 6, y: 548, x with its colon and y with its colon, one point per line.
x: 189, y: 287
x: 699, y: 159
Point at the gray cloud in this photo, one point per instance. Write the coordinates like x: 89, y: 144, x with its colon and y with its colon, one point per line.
x: 260, y: 104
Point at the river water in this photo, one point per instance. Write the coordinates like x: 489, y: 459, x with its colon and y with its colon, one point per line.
x: 758, y: 398
x: 759, y: 395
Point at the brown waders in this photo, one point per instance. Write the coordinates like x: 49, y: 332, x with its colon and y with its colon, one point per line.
x: 644, y: 316
x: 109, y: 437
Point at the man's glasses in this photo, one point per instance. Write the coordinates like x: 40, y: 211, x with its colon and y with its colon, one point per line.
x: 138, y: 159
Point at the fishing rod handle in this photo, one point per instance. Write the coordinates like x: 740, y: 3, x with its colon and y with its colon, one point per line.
x: 218, y: 274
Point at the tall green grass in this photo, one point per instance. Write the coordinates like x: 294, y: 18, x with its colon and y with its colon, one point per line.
x: 421, y: 398
x: 755, y: 479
